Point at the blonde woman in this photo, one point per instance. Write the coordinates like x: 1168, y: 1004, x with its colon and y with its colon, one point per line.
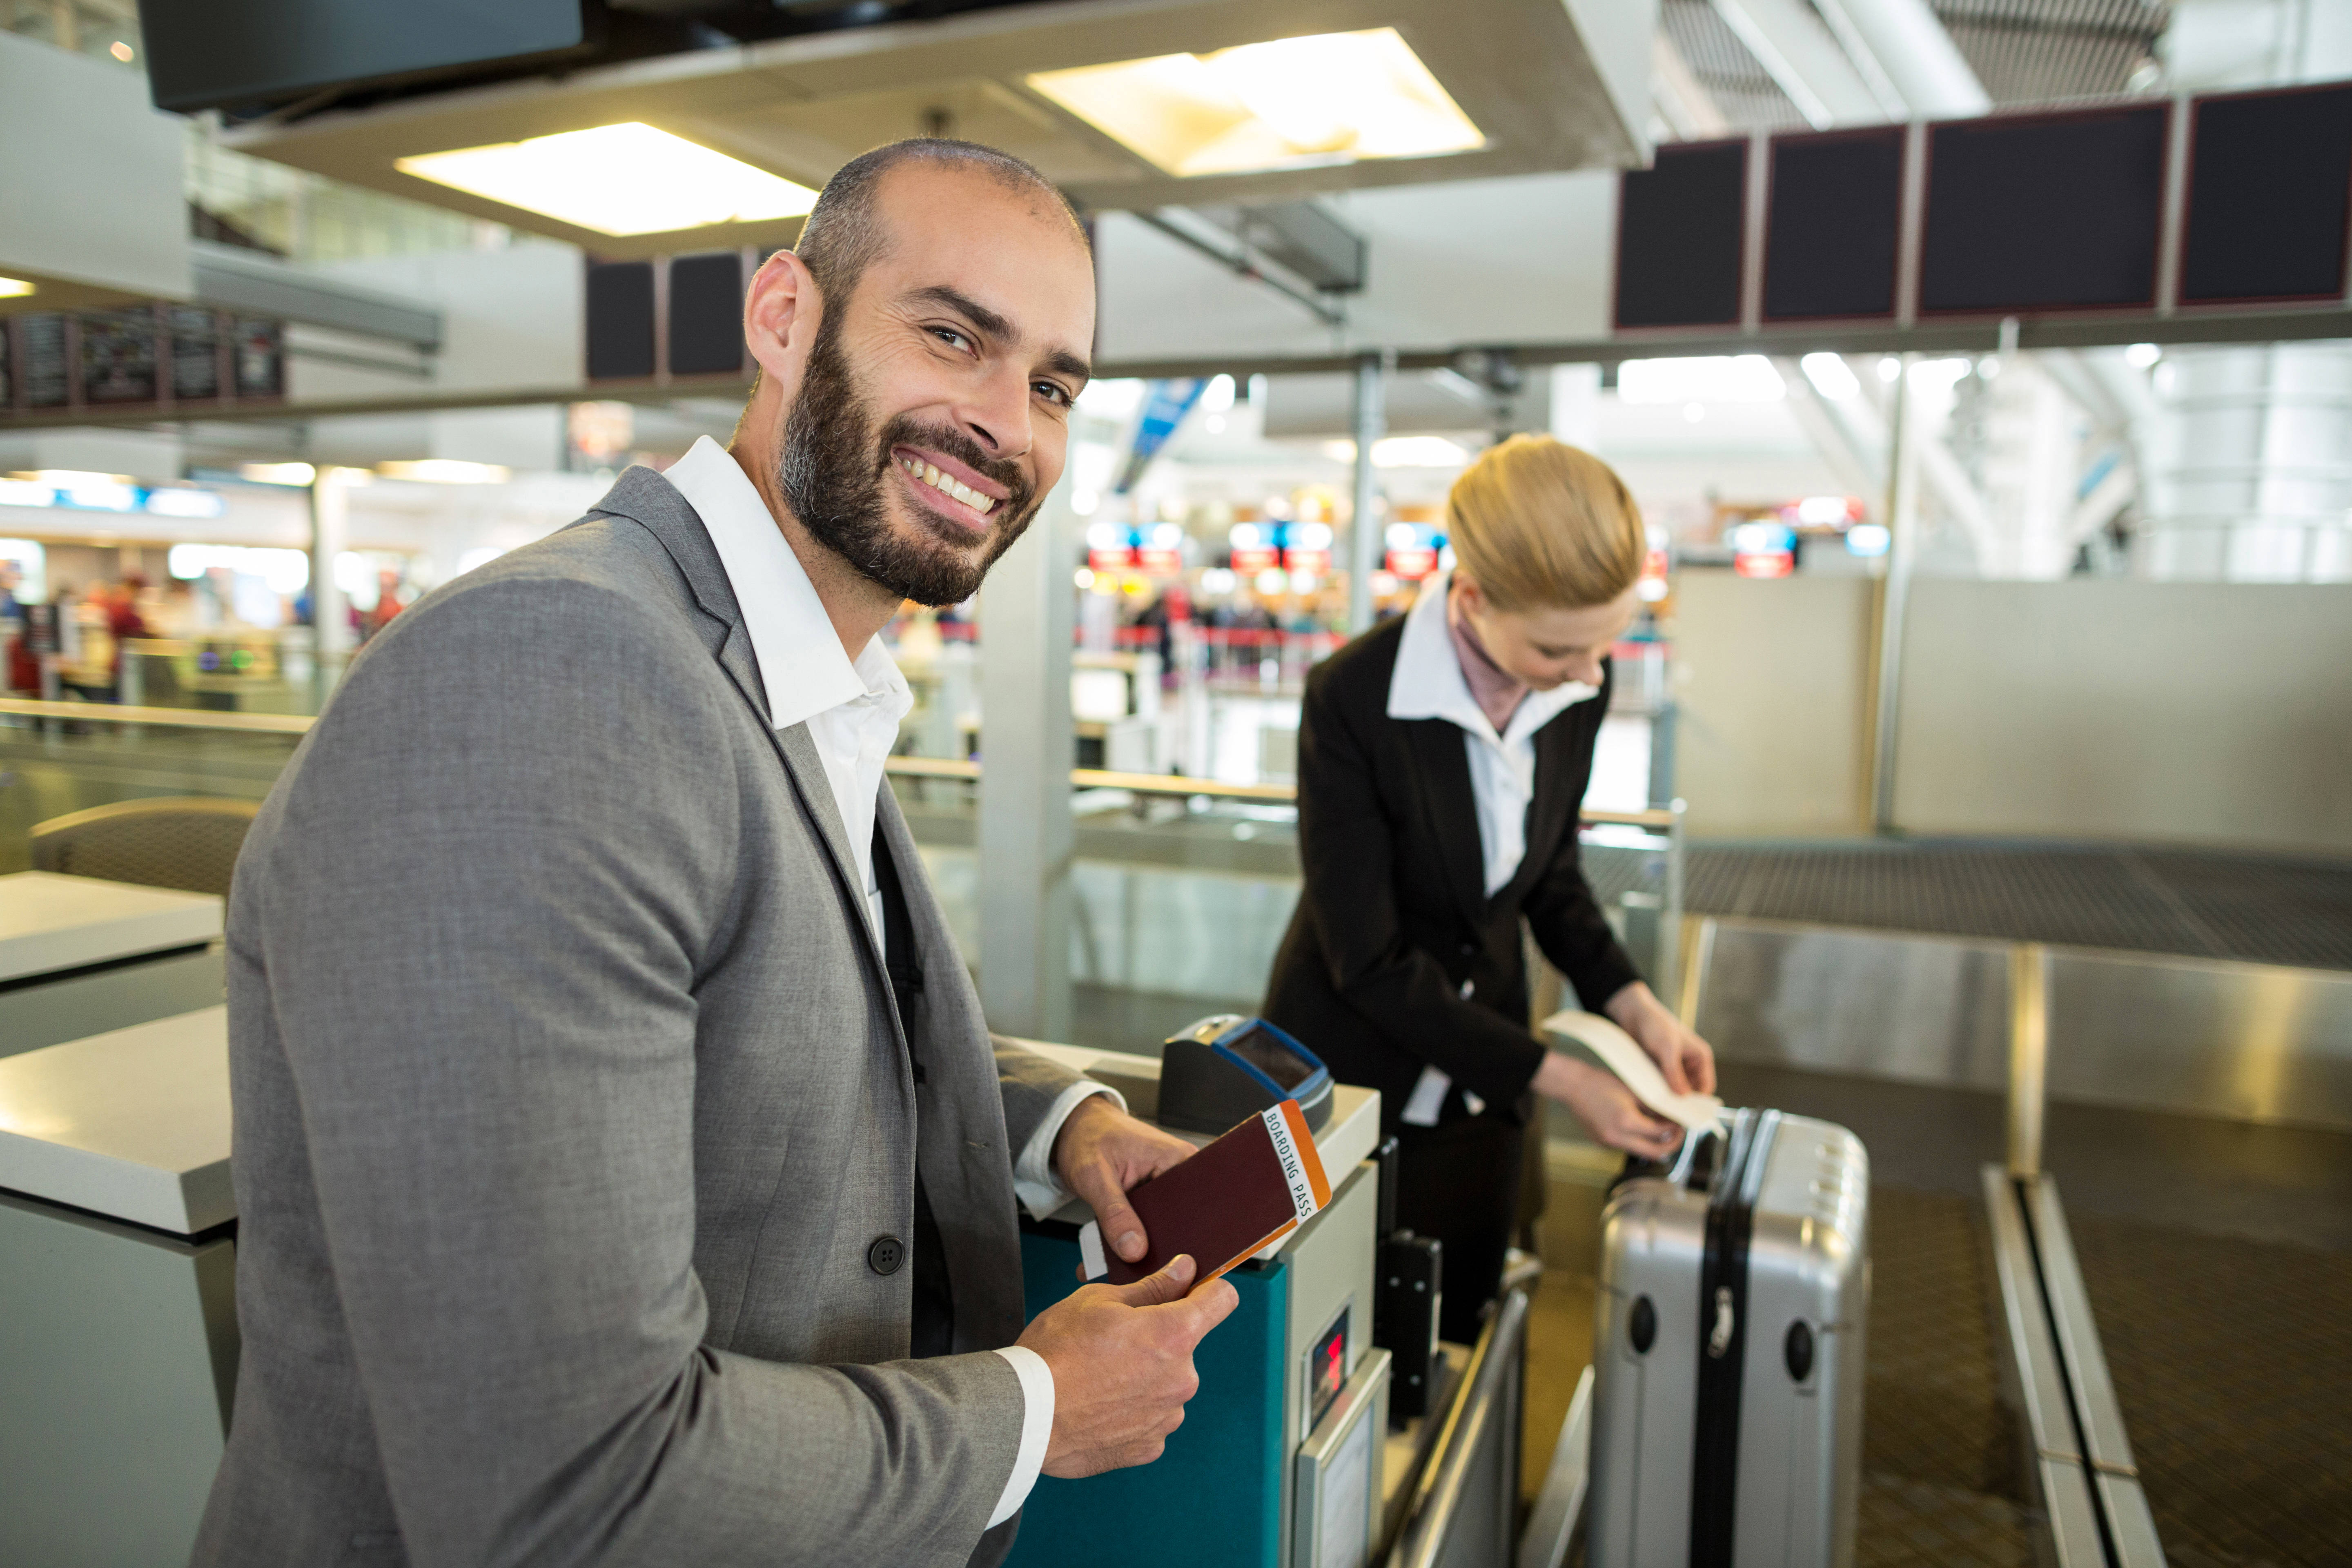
x: 1442, y: 758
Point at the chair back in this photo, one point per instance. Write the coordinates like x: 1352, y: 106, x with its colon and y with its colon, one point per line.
x: 188, y: 842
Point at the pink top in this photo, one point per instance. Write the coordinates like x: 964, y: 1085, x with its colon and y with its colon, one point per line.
x: 1498, y: 695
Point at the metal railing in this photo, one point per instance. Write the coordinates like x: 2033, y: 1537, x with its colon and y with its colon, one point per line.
x: 160, y: 718
x: 1485, y: 1410
x: 1665, y: 821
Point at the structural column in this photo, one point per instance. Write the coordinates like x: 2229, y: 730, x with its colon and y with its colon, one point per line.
x: 1895, y: 594
x: 331, y: 628
x: 1028, y: 619
x: 1363, y: 527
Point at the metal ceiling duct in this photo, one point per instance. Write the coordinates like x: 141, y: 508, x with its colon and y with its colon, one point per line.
x: 1548, y: 86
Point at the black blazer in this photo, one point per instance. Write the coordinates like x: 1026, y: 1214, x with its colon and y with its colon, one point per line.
x: 1396, y: 958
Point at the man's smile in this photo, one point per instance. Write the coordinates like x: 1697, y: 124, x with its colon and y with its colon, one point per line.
x: 948, y: 486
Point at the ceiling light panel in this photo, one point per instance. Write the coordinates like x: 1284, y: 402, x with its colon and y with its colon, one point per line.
x: 626, y: 179
x: 13, y: 288
x: 1332, y: 98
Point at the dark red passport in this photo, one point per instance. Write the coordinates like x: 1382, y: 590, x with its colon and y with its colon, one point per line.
x: 1234, y: 1198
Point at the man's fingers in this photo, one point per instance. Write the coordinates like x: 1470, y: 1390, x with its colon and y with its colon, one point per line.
x: 1205, y: 1309
x: 1125, y: 1232
x: 1157, y: 1290
x: 1214, y: 1303
x: 1098, y: 1184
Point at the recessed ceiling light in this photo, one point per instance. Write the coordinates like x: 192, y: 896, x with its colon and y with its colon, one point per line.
x: 1332, y: 97
x: 444, y: 471
x: 279, y: 473
x: 15, y: 287
x: 617, y: 180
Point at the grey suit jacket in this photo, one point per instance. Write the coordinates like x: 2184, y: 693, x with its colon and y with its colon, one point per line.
x: 571, y: 1096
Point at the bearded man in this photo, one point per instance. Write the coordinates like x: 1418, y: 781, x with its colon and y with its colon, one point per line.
x: 625, y: 1173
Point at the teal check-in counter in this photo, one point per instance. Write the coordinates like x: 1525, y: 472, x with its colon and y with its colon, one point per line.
x: 1279, y: 1459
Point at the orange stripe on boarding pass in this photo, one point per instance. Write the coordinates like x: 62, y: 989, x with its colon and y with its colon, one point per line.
x: 1307, y: 1154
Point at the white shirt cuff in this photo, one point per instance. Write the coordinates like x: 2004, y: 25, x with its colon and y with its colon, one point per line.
x: 1034, y: 1181
x: 1036, y: 1429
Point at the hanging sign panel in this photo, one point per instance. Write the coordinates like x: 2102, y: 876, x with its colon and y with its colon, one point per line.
x: 2043, y: 211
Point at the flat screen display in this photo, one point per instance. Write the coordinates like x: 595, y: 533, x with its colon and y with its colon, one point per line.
x: 706, y: 313
x: 2046, y: 212
x: 202, y: 54
x: 2270, y: 192
x: 1680, y: 226
x: 1833, y: 215
x: 1262, y: 1051
x: 620, y: 319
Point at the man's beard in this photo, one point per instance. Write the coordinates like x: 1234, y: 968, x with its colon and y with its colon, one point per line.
x: 833, y: 469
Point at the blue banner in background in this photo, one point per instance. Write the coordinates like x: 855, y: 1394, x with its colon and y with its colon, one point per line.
x: 1164, y: 408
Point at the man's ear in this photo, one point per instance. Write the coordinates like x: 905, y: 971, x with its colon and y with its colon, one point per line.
x: 780, y: 314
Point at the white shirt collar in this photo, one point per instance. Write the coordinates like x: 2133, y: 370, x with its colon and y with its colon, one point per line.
x: 1428, y: 682
x: 800, y: 657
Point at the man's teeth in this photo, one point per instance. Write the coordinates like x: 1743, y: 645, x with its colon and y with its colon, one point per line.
x: 946, y: 485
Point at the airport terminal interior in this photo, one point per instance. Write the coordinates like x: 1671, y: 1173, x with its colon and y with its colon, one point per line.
x: 1975, y: 777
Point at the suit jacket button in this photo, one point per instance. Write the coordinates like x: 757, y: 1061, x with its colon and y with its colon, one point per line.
x: 885, y: 1255
x: 1468, y: 948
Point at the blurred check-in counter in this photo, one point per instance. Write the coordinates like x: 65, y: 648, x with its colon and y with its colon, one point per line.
x: 80, y: 956
x: 118, y: 1312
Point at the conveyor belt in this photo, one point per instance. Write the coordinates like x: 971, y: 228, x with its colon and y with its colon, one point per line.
x: 2258, y: 908
x: 2232, y: 1362
x: 1940, y: 1483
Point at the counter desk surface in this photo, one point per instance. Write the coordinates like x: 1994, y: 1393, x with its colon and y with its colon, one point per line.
x: 49, y: 925
x: 132, y: 1124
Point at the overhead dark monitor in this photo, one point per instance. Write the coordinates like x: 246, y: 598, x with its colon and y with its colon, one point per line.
x: 1680, y: 228
x: 706, y: 313
x: 2270, y: 196
x: 2043, y: 211
x: 1832, y: 219
x: 202, y: 54
x: 620, y: 319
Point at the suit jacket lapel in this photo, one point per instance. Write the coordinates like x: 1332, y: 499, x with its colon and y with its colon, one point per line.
x: 647, y: 499
x: 1443, y: 761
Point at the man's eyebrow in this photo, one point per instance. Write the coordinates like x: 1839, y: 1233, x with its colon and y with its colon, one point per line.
x: 996, y: 326
x: 971, y: 310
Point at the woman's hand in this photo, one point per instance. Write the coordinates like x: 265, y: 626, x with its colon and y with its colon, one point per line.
x: 1606, y: 1107
x: 1686, y: 1060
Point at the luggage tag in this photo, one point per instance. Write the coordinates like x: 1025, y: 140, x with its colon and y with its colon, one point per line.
x: 1617, y: 1051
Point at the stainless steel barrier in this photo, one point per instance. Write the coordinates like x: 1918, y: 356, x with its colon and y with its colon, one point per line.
x: 1560, y: 1505
x: 2078, y: 1459
x: 1466, y: 1504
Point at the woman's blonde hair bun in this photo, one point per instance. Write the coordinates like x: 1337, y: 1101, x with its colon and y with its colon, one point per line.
x: 1539, y: 524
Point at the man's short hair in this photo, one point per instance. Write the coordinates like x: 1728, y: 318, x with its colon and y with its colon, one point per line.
x: 843, y: 233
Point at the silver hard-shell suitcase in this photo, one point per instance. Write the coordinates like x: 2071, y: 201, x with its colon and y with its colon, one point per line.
x: 1727, y: 1354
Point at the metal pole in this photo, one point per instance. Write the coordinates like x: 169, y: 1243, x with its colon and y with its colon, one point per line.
x: 1903, y: 527
x: 2028, y: 1052
x: 1363, y: 528
x: 331, y: 621
x: 1028, y: 613
x: 1670, y: 929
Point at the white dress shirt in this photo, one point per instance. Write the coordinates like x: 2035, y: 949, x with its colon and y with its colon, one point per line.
x: 853, y: 710
x: 1428, y: 683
